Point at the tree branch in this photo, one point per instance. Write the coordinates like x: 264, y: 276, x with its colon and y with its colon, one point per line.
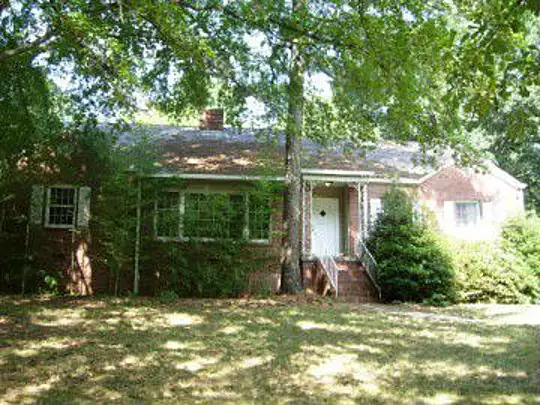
x: 35, y: 46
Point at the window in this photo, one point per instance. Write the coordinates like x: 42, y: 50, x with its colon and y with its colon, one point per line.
x: 375, y: 208
x: 212, y: 216
x: 259, y: 217
x: 468, y: 213
x: 60, y: 207
x: 168, y: 214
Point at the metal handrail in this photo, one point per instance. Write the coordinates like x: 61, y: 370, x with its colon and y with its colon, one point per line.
x: 370, y: 264
x: 331, y: 270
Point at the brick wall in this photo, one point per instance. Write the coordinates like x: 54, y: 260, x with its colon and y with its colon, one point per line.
x: 455, y: 184
x: 354, y: 219
x: 65, y: 255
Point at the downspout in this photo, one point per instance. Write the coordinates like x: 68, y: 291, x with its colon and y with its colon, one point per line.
x: 137, y: 239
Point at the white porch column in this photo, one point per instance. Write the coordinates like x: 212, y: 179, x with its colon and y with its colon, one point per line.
x: 365, y: 213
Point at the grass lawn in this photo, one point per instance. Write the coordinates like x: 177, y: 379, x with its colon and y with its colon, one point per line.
x: 278, y: 351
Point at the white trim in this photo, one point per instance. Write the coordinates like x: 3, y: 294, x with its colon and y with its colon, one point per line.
x: 346, y: 177
x: 365, y: 212
x: 157, y: 209
x: 376, y: 180
x: 338, y: 172
x: 492, y: 169
x: 375, y: 208
x: 502, y: 175
x: 48, y: 206
x: 205, y: 176
x: 209, y: 240
x: 181, y: 207
x: 399, y: 180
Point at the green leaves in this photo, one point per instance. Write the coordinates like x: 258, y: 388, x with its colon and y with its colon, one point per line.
x: 412, y: 264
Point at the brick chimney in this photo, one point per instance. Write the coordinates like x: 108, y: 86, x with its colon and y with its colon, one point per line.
x: 212, y: 119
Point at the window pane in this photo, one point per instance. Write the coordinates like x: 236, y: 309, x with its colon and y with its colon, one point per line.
x: 167, y: 223
x: 61, y: 206
x: 62, y: 196
x: 168, y: 214
x: 213, y: 215
x: 237, y: 209
x: 61, y: 215
x: 467, y: 213
x: 168, y: 200
x: 259, y: 216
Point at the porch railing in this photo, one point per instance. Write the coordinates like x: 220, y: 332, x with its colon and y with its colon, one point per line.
x: 370, y: 264
x: 331, y: 270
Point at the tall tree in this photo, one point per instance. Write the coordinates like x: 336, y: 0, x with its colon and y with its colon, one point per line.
x: 419, y: 70
x: 290, y: 266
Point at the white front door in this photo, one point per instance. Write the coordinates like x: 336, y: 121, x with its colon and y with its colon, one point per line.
x: 325, y: 229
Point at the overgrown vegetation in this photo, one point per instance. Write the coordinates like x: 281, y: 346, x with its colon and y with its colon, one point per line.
x: 505, y: 270
x: 521, y: 235
x: 194, y: 269
x: 418, y: 264
x: 486, y: 272
x: 208, y: 250
x: 412, y: 264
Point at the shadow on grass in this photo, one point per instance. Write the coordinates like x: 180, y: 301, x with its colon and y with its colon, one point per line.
x: 227, y: 351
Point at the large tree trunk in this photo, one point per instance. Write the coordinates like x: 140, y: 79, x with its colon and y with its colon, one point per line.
x: 291, y: 279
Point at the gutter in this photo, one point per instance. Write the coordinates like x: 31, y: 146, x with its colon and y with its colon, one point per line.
x: 312, y: 175
x: 204, y: 176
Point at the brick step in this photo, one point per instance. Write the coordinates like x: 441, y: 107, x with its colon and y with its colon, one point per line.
x: 355, y: 280
x: 354, y: 283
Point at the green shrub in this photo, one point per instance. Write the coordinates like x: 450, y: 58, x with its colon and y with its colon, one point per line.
x: 50, y: 283
x: 485, y: 272
x: 521, y: 235
x: 412, y: 263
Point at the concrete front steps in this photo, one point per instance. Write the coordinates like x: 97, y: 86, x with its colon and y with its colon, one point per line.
x: 354, y: 284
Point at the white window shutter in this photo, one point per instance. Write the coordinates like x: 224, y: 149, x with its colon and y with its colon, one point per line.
x: 36, y: 205
x: 83, y: 207
x: 449, y: 215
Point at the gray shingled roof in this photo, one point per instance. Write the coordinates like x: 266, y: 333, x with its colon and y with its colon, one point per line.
x: 232, y: 151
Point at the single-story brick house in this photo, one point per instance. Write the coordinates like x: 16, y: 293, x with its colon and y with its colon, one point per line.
x: 341, y: 196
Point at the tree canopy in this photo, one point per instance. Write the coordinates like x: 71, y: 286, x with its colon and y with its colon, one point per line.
x: 430, y: 71
x: 409, y: 69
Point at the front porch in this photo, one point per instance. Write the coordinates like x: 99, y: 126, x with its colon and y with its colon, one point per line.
x: 335, y: 222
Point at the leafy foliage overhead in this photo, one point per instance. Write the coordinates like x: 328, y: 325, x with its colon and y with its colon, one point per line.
x: 413, y: 69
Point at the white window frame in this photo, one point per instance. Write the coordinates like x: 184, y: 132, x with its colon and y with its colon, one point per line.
x: 180, y: 213
x: 375, y: 209
x: 258, y: 241
x: 48, y: 206
x: 181, y: 207
x: 468, y: 226
x: 245, y: 230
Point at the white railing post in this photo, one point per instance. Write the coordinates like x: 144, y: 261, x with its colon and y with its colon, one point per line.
x: 331, y: 270
x: 370, y: 264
